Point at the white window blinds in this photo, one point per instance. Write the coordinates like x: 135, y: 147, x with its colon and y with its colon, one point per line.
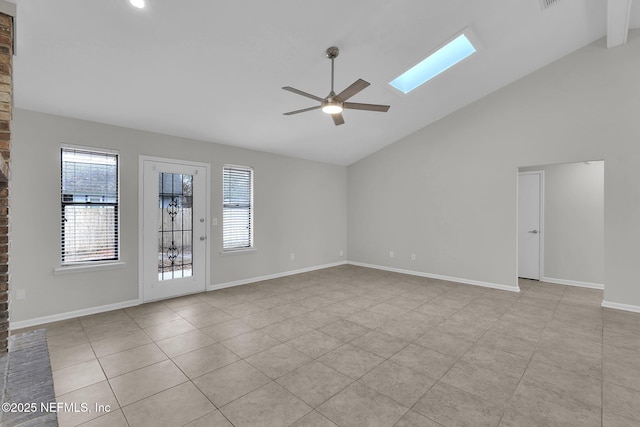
x: 237, y: 214
x: 89, y: 196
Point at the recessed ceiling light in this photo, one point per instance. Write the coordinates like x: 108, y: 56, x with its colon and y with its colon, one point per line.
x: 137, y: 3
x: 440, y: 60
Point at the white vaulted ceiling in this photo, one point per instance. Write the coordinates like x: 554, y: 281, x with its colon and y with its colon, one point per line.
x: 213, y: 70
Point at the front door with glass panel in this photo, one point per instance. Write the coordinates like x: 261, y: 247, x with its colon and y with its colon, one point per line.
x: 174, y: 229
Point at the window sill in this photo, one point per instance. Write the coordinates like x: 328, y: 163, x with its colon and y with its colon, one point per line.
x: 70, y: 269
x: 238, y: 252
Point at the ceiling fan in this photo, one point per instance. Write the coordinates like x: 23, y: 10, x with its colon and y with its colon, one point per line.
x: 334, y: 104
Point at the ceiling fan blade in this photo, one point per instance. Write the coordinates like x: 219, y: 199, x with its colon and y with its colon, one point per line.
x: 302, y: 111
x: 367, y: 107
x: 338, y: 119
x: 299, y: 92
x: 355, y: 87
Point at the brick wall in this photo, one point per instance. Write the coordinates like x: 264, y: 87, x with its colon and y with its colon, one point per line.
x: 6, y: 86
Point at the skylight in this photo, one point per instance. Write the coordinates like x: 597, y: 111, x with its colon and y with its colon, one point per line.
x: 439, y: 61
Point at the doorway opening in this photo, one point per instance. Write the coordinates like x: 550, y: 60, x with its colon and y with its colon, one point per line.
x: 561, y: 237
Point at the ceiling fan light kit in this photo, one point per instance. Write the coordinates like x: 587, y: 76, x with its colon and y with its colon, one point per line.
x: 334, y: 104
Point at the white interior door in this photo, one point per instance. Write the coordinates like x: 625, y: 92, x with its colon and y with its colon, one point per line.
x: 529, y: 190
x: 174, y: 242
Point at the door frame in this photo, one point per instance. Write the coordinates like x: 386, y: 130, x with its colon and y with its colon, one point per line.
x: 541, y: 226
x: 207, y: 208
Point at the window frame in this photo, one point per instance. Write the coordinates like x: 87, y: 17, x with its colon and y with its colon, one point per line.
x: 251, y: 246
x: 81, y: 265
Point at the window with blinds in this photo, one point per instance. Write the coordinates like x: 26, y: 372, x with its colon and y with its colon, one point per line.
x: 89, y: 196
x: 237, y: 213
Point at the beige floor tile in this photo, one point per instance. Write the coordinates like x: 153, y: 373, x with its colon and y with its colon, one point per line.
x: 120, y: 342
x: 66, y: 340
x: 610, y: 419
x: 548, y: 407
x: 250, y: 343
x: 176, y: 303
x: 185, y: 343
x: 176, y: 406
x: 438, y: 340
x: 114, y: 418
x: 69, y: 356
x: 243, y: 309
x: 380, y: 344
x: 464, y: 331
x: 344, y: 330
x: 369, y: 319
x: 621, y: 374
x: 197, y: 307
x: 400, y: 383
x: 622, y: 401
x: 424, y: 360
x: 496, y: 360
x: 136, y: 385
x: 98, y: 399
x: 262, y: 319
x: 449, y: 405
x: 413, y: 419
x: 410, y: 326
x: 77, y: 376
x: 358, y: 405
x: 351, y: 360
x: 286, y: 330
x: 484, y: 383
x: 315, y: 343
x: 316, y: 319
x: 110, y: 329
x: 103, y: 318
x: 225, y: 330
x: 206, y: 359
x: 278, y: 360
x: 230, y: 382
x: 157, y: 318
x: 313, y: 419
x: 169, y: 329
x: 144, y: 309
x: 572, y: 361
x: 581, y: 387
x: 125, y: 361
x: 212, y: 419
x: 314, y: 383
x: 70, y: 326
x: 208, y: 318
x: 269, y: 405
x: 508, y: 343
x: 513, y: 418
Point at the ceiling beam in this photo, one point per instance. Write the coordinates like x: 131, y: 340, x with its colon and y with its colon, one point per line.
x: 618, y: 13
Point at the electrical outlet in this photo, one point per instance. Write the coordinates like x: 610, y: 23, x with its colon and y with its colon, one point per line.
x: 413, y: 257
x: 341, y: 252
x: 292, y: 256
x: 391, y: 254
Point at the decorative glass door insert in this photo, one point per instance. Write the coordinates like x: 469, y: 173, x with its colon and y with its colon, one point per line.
x: 175, y: 226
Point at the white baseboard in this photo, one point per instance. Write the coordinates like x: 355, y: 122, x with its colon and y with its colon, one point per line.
x: 618, y: 306
x: 272, y: 276
x: 72, y: 314
x: 572, y: 283
x: 439, y: 277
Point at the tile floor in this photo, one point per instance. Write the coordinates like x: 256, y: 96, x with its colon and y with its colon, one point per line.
x: 350, y: 346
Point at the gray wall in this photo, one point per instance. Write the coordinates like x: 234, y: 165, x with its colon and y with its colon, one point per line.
x: 574, y: 222
x: 300, y: 207
x: 448, y: 193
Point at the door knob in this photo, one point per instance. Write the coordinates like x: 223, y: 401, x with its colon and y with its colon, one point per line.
x: 203, y: 238
x: 533, y: 231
